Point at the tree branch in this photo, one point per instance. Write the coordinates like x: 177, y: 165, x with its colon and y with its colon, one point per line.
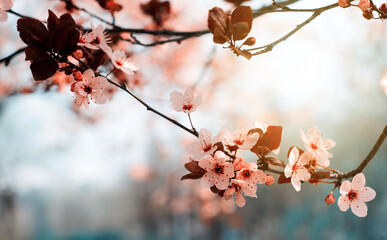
x: 8, y: 59
x: 339, y: 176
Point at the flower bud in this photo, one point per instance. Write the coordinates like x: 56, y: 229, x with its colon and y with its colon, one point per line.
x: 269, y: 180
x: 344, y: 3
x: 77, y: 76
x: 329, y: 199
x: 364, y: 5
x: 368, y: 14
x: 250, y: 41
x: 78, y: 54
x: 383, y: 8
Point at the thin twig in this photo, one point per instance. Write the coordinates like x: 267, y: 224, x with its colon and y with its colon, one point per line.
x: 8, y: 59
x: 366, y: 160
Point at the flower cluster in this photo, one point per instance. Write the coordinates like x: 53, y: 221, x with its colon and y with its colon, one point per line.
x: 215, y: 162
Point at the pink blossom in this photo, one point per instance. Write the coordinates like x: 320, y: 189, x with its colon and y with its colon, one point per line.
x: 4, y: 6
x: 317, y: 146
x: 239, y: 187
x: 296, y: 167
x: 89, y: 86
x: 185, y: 102
x: 218, y: 171
x: 202, y: 146
x: 355, y: 195
x: 96, y: 39
x: 239, y: 138
x: 120, y: 61
x: 250, y: 174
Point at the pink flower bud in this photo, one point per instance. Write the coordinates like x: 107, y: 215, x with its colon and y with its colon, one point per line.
x: 329, y: 199
x: 269, y: 180
x: 344, y: 3
x: 78, y: 54
x: 364, y: 5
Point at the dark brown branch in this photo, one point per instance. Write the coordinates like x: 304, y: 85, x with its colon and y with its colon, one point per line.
x: 138, y: 42
x: 8, y: 59
x: 148, y: 107
x: 366, y: 160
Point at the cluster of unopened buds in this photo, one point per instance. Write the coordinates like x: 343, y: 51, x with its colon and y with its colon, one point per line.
x: 217, y: 163
x: 368, y: 8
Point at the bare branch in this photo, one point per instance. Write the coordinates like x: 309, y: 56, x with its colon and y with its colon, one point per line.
x: 8, y: 59
x: 339, y: 176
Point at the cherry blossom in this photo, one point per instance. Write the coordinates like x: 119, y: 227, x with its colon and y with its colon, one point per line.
x: 218, y: 171
x: 319, y: 147
x: 89, y: 86
x: 239, y: 187
x: 96, y: 39
x: 354, y: 194
x: 4, y: 6
x: 296, y: 167
x: 202, y: 146
x: 251, y: 175
x: 185, y: 102
x: 120, y: 61
x: 239, y: 138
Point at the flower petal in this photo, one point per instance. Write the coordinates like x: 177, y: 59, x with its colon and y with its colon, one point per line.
x: 98, y: 97
x: 195, y: 150
x: 208, y: 179
x: 346, y: 186
x: 366, y: 194
x: 294, y: 155
x: 302, y: 174
x: 296, y: 182
x: 177, y: 101
x: 221, y: 182
x: 229, y: 170
x: 359, y: 208
x: 250, y: 190
x: 288, y: 170
x: 327, y: 143
x: 259, y: 177
x: 343, y: 203
x: 313, y: 135
x: 207, y: 164
x: 358, y: 181
x: 240, y: 200
x: 98, y: 83
x: 304, y: 158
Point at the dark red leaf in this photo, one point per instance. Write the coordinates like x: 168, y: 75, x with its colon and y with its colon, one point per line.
x: 282, y: 179
x: 321, y: 175
x: 191, y: 176
x: 274, y: 136
x: 34, y: 33
x: 193, y: 166
x: 52, y: 21
x: 159, y: 11
x: 241, y: 22
x: 35, y: 54
x: 44, y: 68
x: 218, y: 23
